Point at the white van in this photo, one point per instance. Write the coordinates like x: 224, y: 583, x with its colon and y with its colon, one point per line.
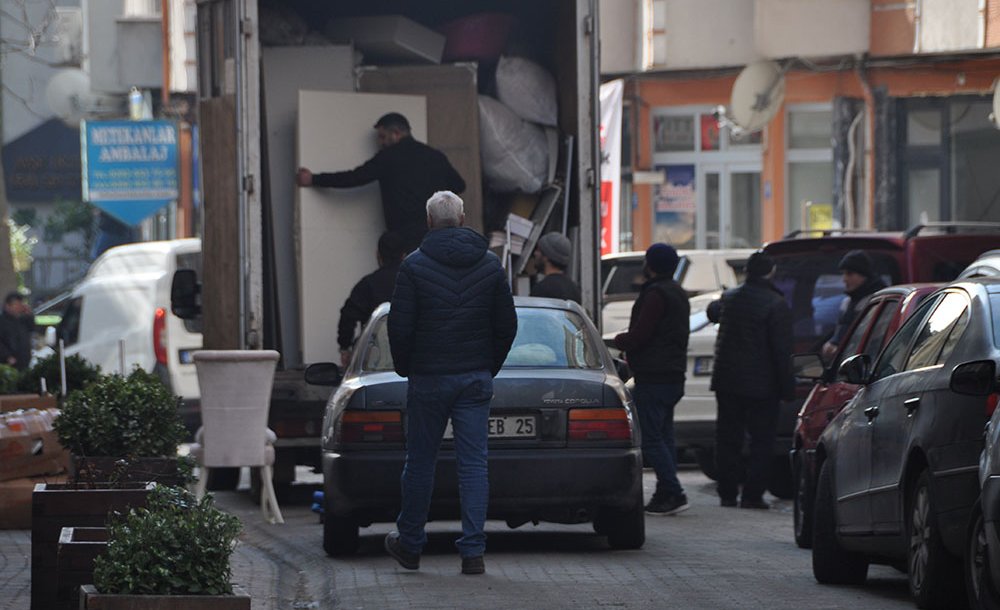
x: 119, y: 315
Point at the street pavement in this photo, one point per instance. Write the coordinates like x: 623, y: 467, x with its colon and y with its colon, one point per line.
x: 707, y: 557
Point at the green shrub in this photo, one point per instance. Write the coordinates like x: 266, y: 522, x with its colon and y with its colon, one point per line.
x: 175, y: 546
x: 134, y: 416
x: 9, y: 377
x: 79, y: 373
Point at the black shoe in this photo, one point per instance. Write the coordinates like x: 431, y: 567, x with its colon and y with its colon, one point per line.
x: 473, y: 565
x: 410, y: 561
x: 669, y: 506
x: 758, y: 503
x: 727, y: 502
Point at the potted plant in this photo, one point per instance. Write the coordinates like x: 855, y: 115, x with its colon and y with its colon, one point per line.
x: 172, y: 554
x: 79, y: 373
x: 123, y: 429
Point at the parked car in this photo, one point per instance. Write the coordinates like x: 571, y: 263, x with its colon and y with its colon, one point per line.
x: 698, y: 272
x: 987, y: 265
x: 564, y: 444
x: 119, y: 317
x: 883, y: 314
x: 898, y: 465
x: 982, y: 551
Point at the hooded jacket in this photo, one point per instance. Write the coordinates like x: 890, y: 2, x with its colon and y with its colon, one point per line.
x: 452, y: 310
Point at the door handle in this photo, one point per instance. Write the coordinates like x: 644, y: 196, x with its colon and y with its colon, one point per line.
x: 871, y: 413
x: 911, y: 404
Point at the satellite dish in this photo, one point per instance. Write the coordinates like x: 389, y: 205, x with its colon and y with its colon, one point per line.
x: 757, y: 93
x: 995, y: 115
x: 69, y: 97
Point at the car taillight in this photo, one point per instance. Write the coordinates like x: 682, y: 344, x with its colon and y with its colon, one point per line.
x: 991, y: 403
x: 160, y: 335
x: 599, y: 425
x: 371, y: 427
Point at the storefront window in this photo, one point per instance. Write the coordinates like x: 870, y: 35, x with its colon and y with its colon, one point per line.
x: 923, y: 128
x: 810, y: 128
x: 975, y: 148
x: 673, y: 133
x: 675, y: 206
x: 809, y: 170
x: 809, y: 183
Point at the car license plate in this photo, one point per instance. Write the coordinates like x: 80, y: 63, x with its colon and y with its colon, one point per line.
x: 703, y: 365
x: 508, y: 426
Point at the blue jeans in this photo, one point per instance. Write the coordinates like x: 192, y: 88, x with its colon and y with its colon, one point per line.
x: 655, y: 403
x: 430, y: 401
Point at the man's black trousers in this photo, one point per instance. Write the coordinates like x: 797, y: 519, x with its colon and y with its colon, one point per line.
x: 739, y: 416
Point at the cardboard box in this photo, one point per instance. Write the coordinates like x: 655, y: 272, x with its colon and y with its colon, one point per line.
x: 13, y: 402
x: 29, y: 446
x: 15, y: 500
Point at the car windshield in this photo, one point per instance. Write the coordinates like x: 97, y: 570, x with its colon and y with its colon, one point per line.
x: 813, y: 288
x: 546, y: 338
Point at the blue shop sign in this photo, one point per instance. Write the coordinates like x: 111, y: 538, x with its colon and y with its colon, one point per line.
x: 130, y: 168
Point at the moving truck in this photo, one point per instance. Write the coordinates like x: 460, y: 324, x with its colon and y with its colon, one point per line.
x: 284, y: 84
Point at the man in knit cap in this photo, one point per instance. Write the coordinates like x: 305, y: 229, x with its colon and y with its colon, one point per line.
x: 655, y: 346
x: 751, y: 375
x: 552, y: 257
x: 860, y: 282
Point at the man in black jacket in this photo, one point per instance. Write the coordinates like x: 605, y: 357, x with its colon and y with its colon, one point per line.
x: 751, y: 374
x: 861, y: 281
x: 371, y: 291
x: 655, y: 345
x: 16, y: 324
x: 552, y: 258
x: 451, y: 324
x: 408, y: 173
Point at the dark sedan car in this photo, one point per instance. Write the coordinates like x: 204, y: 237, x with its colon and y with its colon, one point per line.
x: 883, y: 314
x: 563, y: 447
x: 898, y: 466
x: 982, y: 552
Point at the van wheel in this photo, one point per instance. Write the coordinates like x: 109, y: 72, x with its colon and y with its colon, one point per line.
x: 802, y: 504
x: 223, y: 479
x: 831, y: 564
x: 340, y: 535
x: 934, y: 575
x: 978, y: 576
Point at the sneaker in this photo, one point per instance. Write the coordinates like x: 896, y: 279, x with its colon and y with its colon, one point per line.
x: 758, y: 503
x: 473, y: 565
x: 410, y: 561
x: 727, y: 502
x: 669, y: 506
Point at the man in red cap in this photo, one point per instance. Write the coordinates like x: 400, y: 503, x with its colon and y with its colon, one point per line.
x: 655, y: 346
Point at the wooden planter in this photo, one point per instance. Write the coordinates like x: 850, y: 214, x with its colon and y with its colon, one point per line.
x: 90, y: 599
x: 78, y: 547
x: 55, y: 506
x: 162, y: 470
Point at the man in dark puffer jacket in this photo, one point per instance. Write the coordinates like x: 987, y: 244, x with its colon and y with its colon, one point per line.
x: 752, y: 373
x: 451, y: 324
x: 656, y: 347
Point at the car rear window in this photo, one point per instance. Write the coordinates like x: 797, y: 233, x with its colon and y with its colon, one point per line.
x: 813, y: 288
x: 546, y: 338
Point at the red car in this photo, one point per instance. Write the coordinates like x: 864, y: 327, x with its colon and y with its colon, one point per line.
x: 883, y: 314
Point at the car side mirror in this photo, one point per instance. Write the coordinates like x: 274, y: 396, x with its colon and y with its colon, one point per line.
x: 621, y: 367
x: 51, y: 336
x: 323, y: 373
x: 185, y: 290
x: 855, y: 370
x: 808, y: 366
x: 978, y: 378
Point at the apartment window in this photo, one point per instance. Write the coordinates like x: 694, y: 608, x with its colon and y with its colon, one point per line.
x: 809, y: 169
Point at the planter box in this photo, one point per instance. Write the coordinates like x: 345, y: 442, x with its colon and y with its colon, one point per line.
x: 90, y: 599
x: 162, y: 470
x: 78, y: 547
x: 55, y: 506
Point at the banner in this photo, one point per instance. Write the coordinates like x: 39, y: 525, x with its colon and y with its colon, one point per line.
x: 611, y: 164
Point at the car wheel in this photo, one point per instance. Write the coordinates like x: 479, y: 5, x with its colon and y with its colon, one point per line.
x: 340, y: 535
x: 706, y: 461
x: 831, y: 564
x: 223, y: 479
x: 978, y: 580
x: 625, y: 528
x: 780, y: 482
x: 802, y: 504
x: 933, y: 573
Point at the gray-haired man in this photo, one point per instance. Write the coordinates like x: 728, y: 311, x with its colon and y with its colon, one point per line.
x: 451, y: 324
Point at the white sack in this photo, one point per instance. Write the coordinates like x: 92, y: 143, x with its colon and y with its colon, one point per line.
x: 514, y: 152
x: 528, y: 89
